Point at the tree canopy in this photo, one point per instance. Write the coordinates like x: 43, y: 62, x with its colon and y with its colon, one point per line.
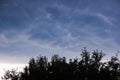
x: 88, y: 67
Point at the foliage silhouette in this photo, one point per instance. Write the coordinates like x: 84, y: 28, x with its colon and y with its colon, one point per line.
x: 89, y: 67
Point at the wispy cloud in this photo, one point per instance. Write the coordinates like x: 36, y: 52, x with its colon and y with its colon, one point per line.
x: 105, y: 18
x: 67, y: 44
x: 55, y: 27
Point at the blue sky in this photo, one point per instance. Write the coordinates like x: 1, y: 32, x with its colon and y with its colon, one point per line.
x: 32, y: 27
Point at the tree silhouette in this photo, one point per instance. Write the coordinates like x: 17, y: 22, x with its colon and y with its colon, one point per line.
x: 13, y: 75
x: 88, y: 67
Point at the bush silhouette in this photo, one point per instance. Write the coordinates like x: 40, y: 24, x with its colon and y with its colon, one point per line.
x: 88, y: 67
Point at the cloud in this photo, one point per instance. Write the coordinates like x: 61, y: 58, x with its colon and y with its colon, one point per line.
x: 105, y: 18
x: 54, y: 27
x: 3, y: 40
x: 20, y: 47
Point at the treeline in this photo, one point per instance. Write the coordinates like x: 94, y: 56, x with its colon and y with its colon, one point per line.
x: 88, y: 67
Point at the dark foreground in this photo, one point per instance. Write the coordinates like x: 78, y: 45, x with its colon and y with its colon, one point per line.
x: 88, y: 67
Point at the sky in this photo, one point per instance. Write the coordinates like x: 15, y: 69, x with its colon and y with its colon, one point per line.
x: 29, y: 28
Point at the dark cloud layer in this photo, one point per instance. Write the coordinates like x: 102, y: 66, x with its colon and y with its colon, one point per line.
x: 63, y: 26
